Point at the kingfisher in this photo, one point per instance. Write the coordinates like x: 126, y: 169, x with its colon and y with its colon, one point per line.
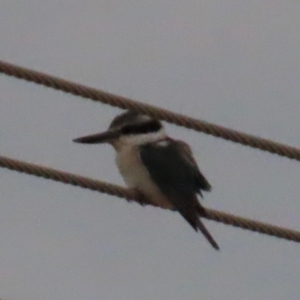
x: 162, y: 169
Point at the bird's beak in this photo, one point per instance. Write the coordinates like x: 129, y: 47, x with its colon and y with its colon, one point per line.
x: 98, y: 138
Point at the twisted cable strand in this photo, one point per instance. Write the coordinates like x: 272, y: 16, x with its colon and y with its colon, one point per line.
x: 131, y: 195
x: 153, y: 111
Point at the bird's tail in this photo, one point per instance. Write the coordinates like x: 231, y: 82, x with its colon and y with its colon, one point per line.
x: 200, y: 226
x: 193, y: 215
x: 195, y: 221
x: 197, y: 224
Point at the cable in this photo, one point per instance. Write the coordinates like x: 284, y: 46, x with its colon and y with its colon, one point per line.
x: 122, y: 102
x: 130, y: 195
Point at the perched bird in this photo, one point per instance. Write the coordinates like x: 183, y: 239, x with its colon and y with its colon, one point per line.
x: 161, y: 168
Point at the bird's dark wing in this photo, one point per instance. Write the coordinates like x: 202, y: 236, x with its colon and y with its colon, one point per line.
x: 200, y: 181
x: 172, y: 167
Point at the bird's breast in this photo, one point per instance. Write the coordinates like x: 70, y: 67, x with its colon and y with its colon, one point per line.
x: 136, y: 176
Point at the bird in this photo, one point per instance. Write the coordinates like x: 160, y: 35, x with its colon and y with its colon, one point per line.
x: 161, y: 168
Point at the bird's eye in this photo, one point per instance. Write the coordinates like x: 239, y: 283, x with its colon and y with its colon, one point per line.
x: 128, y: 129
x: 142, y: 128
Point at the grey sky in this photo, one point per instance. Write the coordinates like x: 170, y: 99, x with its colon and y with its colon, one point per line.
x: 235, y: 63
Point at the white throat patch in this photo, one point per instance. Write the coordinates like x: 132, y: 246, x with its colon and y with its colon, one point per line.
x: 140, y: 139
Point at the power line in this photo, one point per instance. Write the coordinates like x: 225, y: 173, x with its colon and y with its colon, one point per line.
x: 130, y: 195
x: 178, y: 119
x: 125, y: 103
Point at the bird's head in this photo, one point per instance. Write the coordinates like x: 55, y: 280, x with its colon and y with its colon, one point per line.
x: 129, y: 128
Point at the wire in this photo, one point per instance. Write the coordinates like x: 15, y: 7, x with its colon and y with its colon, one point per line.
x: 175, y: 118
x: 178, y: 119
x: 130, y: 195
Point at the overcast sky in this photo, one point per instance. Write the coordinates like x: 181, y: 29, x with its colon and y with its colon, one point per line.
x: 235, y: 63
